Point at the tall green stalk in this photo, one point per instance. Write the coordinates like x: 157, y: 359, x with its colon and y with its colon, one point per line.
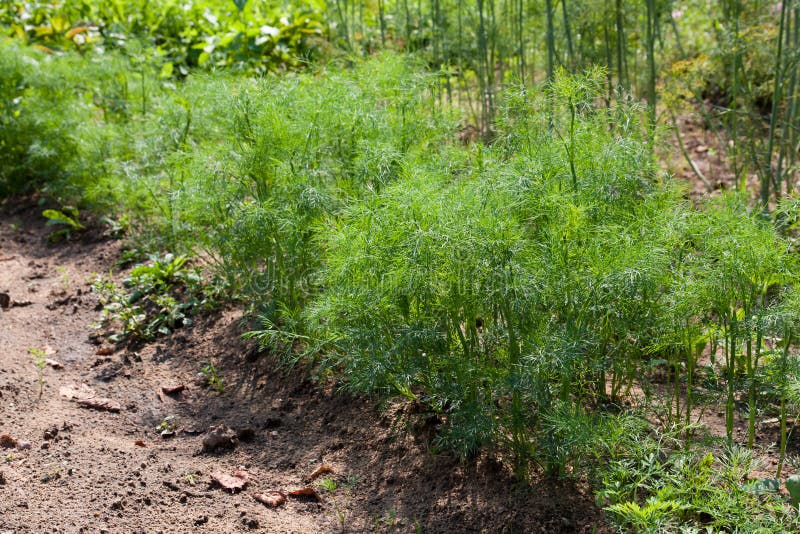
x: 568, y: 33
x: 777, y: 93
x: 730, y: 329
x: 651, y: 66
x: 551, y: 47
x: 622, y: 72
x: 753, y: 356
x: 790, y: 112
x: 787, y: 343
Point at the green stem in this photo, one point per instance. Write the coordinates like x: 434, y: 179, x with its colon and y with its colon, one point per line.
x: 776, y: 97
x: 784, y: 365
x: 651, y: 67
x: 551, y: 50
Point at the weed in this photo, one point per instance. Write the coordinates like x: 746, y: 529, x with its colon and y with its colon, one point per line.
x: 117, y: 227
x: 156, y: 299
x: 328, y: 484
x: 63, y: 273
x: 214, y: 381
x: 66, y: 218
x: 40, y: 362
x: 390, y: 520
x: 168, y: 426
x: 351, y: 481
x: 49, y: 477
x: 341, y: 515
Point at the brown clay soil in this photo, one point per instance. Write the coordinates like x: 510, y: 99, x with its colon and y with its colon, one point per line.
x: 65, y: 467
x: 708, y: 153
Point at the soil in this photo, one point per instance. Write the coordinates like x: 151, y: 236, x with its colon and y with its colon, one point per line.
x: 70, y: 462
x: 709, y: 154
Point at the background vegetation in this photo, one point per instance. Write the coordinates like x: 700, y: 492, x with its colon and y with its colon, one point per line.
x: 473, y: 215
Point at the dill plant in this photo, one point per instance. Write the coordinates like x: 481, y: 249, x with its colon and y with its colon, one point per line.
x: 521, y: 290
x: 492, y: 295
x: 307, y: 147
x: 745, y: 261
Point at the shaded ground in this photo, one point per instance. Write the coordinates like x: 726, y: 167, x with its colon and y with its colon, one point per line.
x: 78, y: 469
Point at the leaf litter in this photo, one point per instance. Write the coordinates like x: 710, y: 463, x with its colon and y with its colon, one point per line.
x: 272, y: 498
x: 86, y: 397
x: 234, y: 482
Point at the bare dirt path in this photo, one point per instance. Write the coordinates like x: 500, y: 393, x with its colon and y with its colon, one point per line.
x: 65, y: 467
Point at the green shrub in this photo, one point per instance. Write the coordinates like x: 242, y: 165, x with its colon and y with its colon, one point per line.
x: 252, y: 36
x: 301, y: 150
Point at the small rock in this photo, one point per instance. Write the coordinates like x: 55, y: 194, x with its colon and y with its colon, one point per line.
x: 172, y: 389
x: 202, y: 520
x: 45, y: 445
x: 220, y: 437
x: 50, y: 433
x: 24, y: 445
x: 2, y: 478
x: 118, y: 504
x: 250, y: 522
x: 55, y: 364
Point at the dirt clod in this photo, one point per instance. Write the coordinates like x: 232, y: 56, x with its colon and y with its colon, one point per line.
x: 74, y: 392
x: 55, y: 364
x: 171, y: 485
x: 101, y: 403
x: 173, y: 390
x: 250, y: 522
x: 51, y: 433
x: 220, y: 437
